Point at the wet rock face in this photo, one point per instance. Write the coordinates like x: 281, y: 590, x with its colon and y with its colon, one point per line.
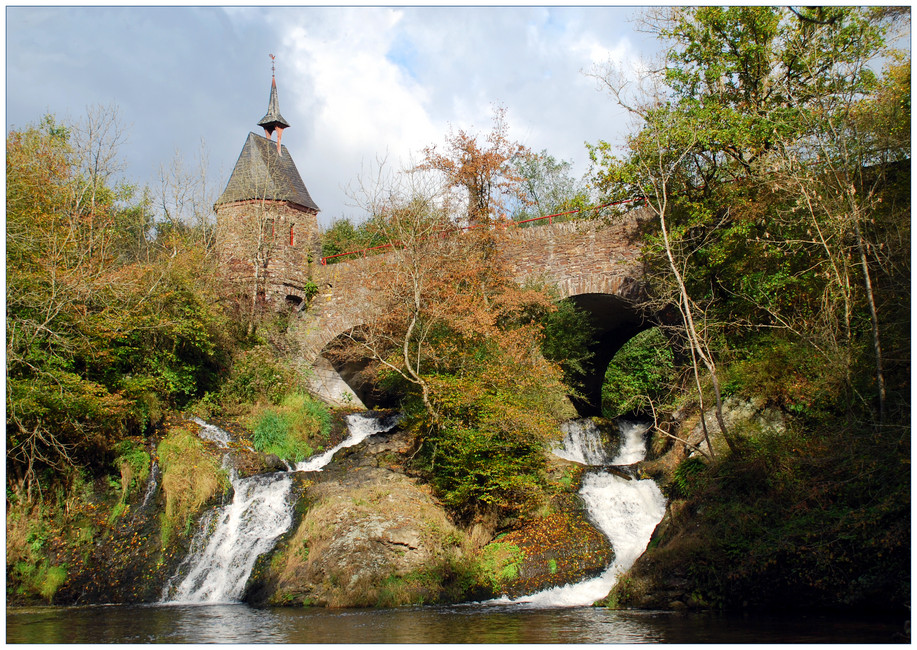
x: 562, y: 548
x: 369, y: 536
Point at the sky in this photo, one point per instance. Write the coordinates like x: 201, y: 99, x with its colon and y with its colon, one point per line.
x: 356, y: 84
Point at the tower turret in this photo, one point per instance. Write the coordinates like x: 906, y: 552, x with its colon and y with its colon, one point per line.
x: 273, y: 120
x: 267, y: 228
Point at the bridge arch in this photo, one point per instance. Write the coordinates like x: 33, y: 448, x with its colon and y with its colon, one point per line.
x: 594, y: 264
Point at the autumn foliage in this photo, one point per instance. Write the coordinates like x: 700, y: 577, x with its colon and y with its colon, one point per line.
x: 483, y: 166
x: 106, y: 325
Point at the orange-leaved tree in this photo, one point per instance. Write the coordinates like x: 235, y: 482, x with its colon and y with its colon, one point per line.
x: 463, y: 339
x: 484, y: 166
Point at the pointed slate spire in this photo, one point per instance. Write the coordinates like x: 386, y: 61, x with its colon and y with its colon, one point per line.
x: 273, y: 119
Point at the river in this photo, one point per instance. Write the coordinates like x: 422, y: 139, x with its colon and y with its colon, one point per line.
x: 487, y: 624
x: 203, y: 607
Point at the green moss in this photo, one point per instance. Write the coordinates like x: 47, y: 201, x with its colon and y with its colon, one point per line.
x: 500, y: 563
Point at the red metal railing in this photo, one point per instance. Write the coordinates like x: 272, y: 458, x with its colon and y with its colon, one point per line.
x: 549, y: 217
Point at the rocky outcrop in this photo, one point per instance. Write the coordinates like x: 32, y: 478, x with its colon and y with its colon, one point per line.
x: 559, y: 549
x: 665, y: 576
x: 368, y: 535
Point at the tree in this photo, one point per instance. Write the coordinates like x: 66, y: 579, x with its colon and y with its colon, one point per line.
x: 186, y: 200
x: 105, y: 325
x: 484, y: 169
x: 547, y: 186
x: 747, y: 94
x: 463, y: 340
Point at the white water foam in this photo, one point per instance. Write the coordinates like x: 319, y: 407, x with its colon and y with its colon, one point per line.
x: 582, y: 443
x: 230, y: 539
x: 632, y: 448
x: 211, y: 432
x: 260, y: 512
x: 627, y: 512
x: 152, y: 484
x: 360, y: 427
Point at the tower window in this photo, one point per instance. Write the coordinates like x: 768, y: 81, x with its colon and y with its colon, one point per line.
x: 291, y: 234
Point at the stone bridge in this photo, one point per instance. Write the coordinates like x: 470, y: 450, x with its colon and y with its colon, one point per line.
x: 594, y: 264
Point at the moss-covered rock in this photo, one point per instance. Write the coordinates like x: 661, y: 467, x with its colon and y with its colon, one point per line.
x: 369, y: 536
x: 555, y: 550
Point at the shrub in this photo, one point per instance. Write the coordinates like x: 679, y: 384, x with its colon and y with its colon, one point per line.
x: 134, y: 463
x: 292, y: 428
x: 257, y: 375
x: 500, y: 563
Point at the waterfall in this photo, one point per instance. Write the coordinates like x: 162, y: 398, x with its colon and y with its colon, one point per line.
x: 212, y: 432
x: 231, y: 538
x: 359, y: 428
x: 627, y: 512
x: 582, y: 443
x: 152, y: 484
x: 221, y: 562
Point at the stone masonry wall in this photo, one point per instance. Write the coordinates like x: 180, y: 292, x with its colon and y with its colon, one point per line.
x: 289, y: 265
x: 578, y: 256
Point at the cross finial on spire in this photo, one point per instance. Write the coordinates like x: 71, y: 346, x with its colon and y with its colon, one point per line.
x: 272, y: 65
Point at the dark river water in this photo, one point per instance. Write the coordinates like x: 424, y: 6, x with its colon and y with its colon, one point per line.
x: 491, y: 624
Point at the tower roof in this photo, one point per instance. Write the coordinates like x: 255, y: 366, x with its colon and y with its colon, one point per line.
x: 265, y: 171
x: 273, y: 119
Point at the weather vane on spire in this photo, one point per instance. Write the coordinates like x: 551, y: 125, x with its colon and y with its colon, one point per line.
x: 273, y: 121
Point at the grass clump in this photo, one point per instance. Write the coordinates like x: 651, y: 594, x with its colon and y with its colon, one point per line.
x: 292, y: 429
x: 190, y: 478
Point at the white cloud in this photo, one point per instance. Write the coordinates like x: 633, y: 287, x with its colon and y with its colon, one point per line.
x: 354, y: 100
x: 354, y: 82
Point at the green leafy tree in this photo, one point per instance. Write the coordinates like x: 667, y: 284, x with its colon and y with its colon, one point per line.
x: 748, y: 98
x: 548, y: 187
x: 105, y: 325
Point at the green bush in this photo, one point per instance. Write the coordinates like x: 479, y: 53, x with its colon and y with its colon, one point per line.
x: 258, y: 375
x: 568, y: 333
x: 292, y: 428
x: 684, y: 477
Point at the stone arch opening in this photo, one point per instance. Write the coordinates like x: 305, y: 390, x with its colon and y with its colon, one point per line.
x: 344, y: 369
x: 615, y: 321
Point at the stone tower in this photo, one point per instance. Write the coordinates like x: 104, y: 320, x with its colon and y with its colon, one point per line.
x: 267, y: 225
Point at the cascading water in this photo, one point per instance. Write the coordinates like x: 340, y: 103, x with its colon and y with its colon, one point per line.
x: 231, y: 538
x: 626, y: 511
x: 212, y: 432
x: 359, y: 428
x: 151, y: 485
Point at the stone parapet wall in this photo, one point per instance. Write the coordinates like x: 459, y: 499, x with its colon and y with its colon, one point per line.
x: 580, y: 256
